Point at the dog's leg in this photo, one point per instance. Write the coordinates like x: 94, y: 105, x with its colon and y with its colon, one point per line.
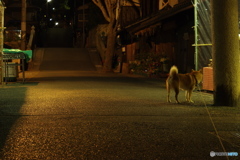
x: 168, y: 92
x: 189, y: 96
x: 176, y: 89
x: 186, y: 95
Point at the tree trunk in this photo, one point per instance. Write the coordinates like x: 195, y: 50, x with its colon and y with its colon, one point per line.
x: 226, y: 58
x: 23, y: 25
x: 111, y: 40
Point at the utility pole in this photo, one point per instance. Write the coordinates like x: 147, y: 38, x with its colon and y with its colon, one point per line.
x: 196, y: 34
x: 226, y: 56
x: 23, y: 25
x: 2, y: 8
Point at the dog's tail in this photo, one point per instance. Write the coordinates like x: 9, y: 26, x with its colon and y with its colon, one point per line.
x: 173, y: 71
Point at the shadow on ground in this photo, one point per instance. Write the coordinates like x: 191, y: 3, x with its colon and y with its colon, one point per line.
x: 11, y: 102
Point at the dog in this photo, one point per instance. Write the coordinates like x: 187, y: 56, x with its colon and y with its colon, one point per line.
x: 186, y: 82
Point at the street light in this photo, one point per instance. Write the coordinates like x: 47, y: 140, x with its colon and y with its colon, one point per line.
x: 47, y: 10
x: 47, y: 5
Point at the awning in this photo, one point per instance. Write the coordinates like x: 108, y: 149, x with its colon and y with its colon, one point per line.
x: 156, y: 18
x: 27, y: 53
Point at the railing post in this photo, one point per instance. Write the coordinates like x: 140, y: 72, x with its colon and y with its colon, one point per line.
x: 29, y: 46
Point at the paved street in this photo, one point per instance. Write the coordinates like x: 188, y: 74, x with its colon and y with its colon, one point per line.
x: 67, y: 110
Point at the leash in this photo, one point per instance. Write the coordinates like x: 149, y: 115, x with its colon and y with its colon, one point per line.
x: 213, y: 124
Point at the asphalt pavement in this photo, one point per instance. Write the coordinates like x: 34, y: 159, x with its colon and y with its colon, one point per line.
x: 68, y: 110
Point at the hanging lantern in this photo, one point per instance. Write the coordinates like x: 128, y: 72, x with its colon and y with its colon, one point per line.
x: 2, y: 7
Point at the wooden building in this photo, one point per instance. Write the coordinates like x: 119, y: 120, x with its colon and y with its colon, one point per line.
x: 13, y: 14
x: 164, y: 28
x: 12, y: 21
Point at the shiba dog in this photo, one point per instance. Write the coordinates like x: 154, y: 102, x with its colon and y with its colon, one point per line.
x: 186, y: 82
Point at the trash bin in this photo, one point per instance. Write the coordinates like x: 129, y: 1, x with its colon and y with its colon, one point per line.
x: 10, y: 72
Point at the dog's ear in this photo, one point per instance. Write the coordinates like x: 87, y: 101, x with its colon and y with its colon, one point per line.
x: 201, y: 71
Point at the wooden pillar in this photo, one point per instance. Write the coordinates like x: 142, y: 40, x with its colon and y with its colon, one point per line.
x: 226, y: 57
